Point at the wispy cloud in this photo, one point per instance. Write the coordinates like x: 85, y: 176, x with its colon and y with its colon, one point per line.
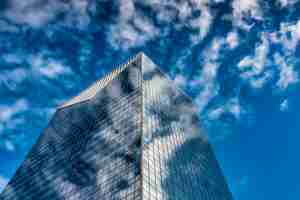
x: 232, y: 39
x: 257, y: 62
x: 284, y: 105
x: 11, y: 79
x: 32, y: 12
x: 37, y: 14
x: 243, y: 10
x: 287, y: 74
x: 14, y: 123
x: 10, y: 120
x: 27, y: 66
x: 203, y: 22
x: 8, y: 144
x: 48, y: 67
x: 256, y: 69
x: 132, y: 28
x: 286, y: 3
x: 216, y: 113
x: 207, y: 80
x: 253, y: 67
x: 232, y: 106
x: 8, y: 111
x: 221, y: 117
x: 288, y: 36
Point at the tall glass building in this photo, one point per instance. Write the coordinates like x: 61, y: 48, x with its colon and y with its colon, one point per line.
x: 130, y: 136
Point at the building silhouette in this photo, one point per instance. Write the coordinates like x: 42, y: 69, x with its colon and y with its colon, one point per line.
x: 130, y: 136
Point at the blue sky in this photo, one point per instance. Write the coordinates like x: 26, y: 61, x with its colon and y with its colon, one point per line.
x: 238, y: 59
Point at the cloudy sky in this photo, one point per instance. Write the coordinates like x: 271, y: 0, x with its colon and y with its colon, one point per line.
x: 238, y: 59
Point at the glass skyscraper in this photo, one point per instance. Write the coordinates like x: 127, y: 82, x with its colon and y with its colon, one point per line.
x: 131, y: 135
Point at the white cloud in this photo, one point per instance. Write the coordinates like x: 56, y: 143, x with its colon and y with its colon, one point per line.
x: 288, y: 35
x: 286, y: 3
x: 132, y: 28
x: 165, y: 15
x: 185, y: 10
x: 287, y: 74
x: 30, y: 12
x: 232, y: 39
x: 213, y: 52
x: 232, y: 106
x: 53, y: 69
x: 259, y: 82
x: 216, y: 113
x: 9, y: 120
x: 37, y: 13
x: 7, y: 112
x: 168, y: 10
x: 243, y: 9
x: 47, y: 67
x: 284, y: 106
x: 12, y: 78
x: 258, y: 61
x: 3, y: 182
x: 77, y: 14
x: 9, y: 145
x: 203, y: 23
x: 41, y: 66
x: 207, y: 80
x: 253, y: 67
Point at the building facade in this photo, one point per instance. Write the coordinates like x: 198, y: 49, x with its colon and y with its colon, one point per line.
x: 131, y: 135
